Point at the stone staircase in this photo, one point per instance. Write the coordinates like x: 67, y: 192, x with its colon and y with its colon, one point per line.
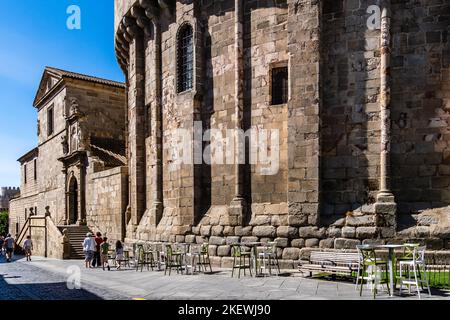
x: 76, y: 236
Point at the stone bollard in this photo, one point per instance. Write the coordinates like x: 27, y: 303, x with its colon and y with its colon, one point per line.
x: 66, y: 244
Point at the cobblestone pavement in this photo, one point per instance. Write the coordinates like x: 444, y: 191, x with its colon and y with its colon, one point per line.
x: 47, y: 279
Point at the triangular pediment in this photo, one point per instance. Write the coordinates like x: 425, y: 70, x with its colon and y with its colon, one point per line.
x: 49, y: 79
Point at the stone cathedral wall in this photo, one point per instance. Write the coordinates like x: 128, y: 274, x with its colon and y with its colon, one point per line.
x: 325, y: 192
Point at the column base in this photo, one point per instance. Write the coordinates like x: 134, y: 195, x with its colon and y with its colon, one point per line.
x: 156, y: 213
x: 237, y: 211
x: 386, y: 214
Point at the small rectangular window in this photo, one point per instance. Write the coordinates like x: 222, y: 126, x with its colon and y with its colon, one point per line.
x: 25, y: 173
x: 279, y: 85
x: 35, y: 169
x: 50, y: 121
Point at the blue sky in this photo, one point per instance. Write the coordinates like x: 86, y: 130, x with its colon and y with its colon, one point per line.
x: 33, y: 35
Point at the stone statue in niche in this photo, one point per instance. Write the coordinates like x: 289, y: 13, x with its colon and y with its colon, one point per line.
x: 80, y: 138
x: 73, y: 139
x: 74, y: 106
x: 65, y: 144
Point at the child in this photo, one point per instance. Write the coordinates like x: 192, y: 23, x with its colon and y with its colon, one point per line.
x: 119, y: 253
x: 27, y: 247
x: 104, y: 249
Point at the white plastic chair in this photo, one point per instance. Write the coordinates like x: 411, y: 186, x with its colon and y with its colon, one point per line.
x: 269, y: 258
x: 418, y: 260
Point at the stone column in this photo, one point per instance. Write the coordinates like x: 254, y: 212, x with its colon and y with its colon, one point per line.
x: 385, y: 207
x: 238, y: 204
x: 136, y: 111
x: 157, y: 207
x: 304, y: 18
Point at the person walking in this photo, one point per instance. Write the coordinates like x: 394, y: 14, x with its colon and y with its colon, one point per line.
x: 27, y: 247
x: 89, y: 249
x: 104, y: 249
x: 119, y: 253
x: 97, y: 259
x: 9, y: 247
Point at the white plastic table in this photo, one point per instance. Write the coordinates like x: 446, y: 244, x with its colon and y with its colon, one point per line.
x: 391, y: 256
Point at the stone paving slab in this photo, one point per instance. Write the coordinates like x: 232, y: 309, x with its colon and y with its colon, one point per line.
x: 47, y: 279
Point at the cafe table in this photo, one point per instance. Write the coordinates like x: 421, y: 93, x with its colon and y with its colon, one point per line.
x: 254, y: 248
x: 391, y: 260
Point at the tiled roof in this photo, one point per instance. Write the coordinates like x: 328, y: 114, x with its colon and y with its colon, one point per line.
x: 74, y: 75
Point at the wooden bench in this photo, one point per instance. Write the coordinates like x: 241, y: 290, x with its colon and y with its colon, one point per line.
x: 333, y: 262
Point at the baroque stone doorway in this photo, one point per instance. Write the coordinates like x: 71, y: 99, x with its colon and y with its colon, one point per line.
x: 73, y: 201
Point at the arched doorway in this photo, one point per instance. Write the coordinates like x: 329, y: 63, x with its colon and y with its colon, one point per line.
x: 73, y: 201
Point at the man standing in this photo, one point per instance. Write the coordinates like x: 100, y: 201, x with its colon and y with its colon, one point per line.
x: 9, y: 246
x: 97, y: 258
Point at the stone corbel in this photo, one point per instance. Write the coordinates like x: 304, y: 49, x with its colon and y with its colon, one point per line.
x: 132, y: 29
x: 151, y: 10
x: 141, y: 20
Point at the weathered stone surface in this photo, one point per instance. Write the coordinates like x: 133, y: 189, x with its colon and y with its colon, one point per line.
x: 282, y: 242
x: 287, y: 232
x: 426, y: 220
x: 223, y: 251
x: 200, y: 239
x: 297, y: 220
x: 421, y: 232
x: 326, y: 243
x: 233, y: 240
x: 360, y: 220
x: 348, y: 232
x: 439, y: 231
x: 342, y: 243
x: 374, y: 241
x: 264, y: 231
x: 205, y: 231
x: 249, y: 239
x: 212, y: 250
x: 334, y: 232
x: 214, y: 240
x: 190, y: 238
x: 291, y: 254
x: 243, y: 231
x: 217, y: 231
x: 180, y: 238
x: 260, y: 220
x: 311, y: 243
x: 228, y: 231
x: 298, y: 243
x: 366, y: 232
x: 312, y: 232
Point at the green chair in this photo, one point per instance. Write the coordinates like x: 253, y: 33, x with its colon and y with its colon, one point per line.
x: 239, y: 256
x: 369, y: 261
x: 144, y: 257
x: 203, y: 258
x: 174, y: 259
